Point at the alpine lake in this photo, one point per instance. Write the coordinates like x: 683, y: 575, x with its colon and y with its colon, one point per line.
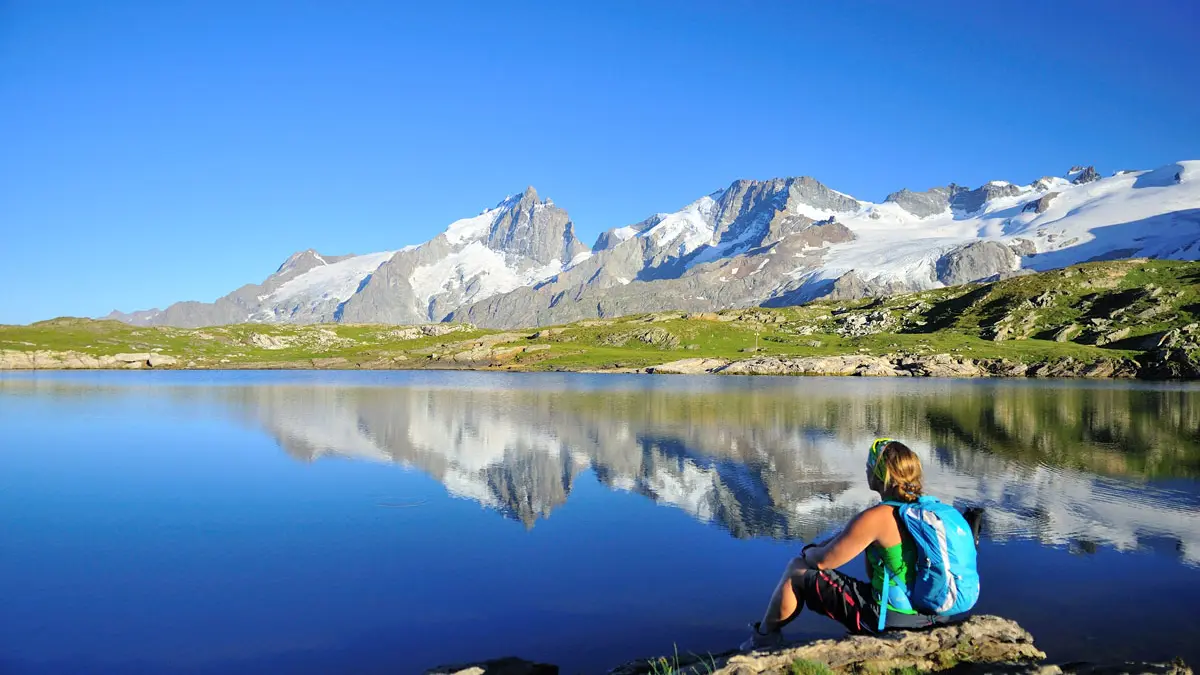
x: 387, y: 522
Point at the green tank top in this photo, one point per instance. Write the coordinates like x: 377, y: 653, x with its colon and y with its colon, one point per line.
x: 901, y: 561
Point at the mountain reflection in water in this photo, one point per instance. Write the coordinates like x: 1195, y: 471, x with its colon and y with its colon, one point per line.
x: 1074, y: 465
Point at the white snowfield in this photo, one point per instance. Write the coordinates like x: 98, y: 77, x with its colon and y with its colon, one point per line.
x: 478, y: 272
x: 1142, y: 213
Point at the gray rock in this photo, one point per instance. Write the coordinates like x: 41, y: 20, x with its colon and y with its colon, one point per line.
x: 1023, y: 247
x: 971, y: 201
x: 161, y: 360
x: 1067, y: 332
x: 851, y: 286
x: 1041, y: 204
x: 987, y: 640
x: 1085, y: 175
x: 688, y: 366
x: 928, y: 203
x: 534, y: 229
x: 862, y: 365
x: 975, y: 261
x: 656, y: 337
x: 1113, y: 336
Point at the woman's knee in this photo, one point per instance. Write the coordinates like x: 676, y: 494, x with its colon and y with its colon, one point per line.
x: 797, y: 567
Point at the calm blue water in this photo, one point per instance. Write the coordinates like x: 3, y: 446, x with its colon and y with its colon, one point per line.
x: 389, y: 522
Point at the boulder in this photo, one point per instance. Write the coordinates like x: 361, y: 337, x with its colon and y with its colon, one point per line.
x: 1067, y: 332
x: 160, y: 360
x: 265, y: 341
x: 987, y: 640
x: 1115, y: 335
x: 975, y: 261
x: 940, y: 365
x: 140, y: 357
x: 688, y: 367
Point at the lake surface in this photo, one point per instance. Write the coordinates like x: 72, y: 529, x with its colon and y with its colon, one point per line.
x: 387, y: 522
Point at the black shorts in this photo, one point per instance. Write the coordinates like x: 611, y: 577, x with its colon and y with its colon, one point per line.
x: 851, y: 602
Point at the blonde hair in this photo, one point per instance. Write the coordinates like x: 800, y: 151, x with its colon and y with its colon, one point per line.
x: 901, y: 471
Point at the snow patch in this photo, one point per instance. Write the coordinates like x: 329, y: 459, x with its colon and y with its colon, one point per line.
x: 470, y: 228
x: 689, y: 228
x: 624, y: 233
x: 337, y: 281
x: 478, y: 272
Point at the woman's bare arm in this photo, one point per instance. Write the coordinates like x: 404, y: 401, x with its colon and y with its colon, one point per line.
x: 859, y: 534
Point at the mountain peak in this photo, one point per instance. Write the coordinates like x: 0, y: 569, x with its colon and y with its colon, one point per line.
x: 1087, y: 175
x: 301, y: 261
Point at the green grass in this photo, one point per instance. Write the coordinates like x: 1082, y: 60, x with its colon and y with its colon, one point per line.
x: 673, y: 665
x: 961, y: 321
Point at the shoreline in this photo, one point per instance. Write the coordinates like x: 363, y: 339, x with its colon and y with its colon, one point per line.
x: 847, y: 365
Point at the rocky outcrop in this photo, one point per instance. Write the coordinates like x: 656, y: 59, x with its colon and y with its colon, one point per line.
x: 1084, y: 175
x: 928, y: 203
x: 813, y: 365
x: 982, y: 644
x: 272, y: 342
x: 979, y: 640
x: 970, y: 201
x: 688, y: 367
x: 975, y: 261
x: 428, y: 330
x: 904, y: 365
x: 655, y: 337
x: 1041, y: 204
x: 51, y: 360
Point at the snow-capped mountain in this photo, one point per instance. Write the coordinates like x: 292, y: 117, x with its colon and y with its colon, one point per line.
x: 774, y: 242
x: 519, y: 242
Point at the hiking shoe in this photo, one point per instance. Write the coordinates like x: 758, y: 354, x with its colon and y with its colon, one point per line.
x: 760, y: 640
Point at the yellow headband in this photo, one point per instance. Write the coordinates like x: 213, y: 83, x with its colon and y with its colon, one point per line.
x: 877, y: 468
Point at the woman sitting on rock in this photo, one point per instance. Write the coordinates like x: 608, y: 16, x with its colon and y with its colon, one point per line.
x: 893, y: 555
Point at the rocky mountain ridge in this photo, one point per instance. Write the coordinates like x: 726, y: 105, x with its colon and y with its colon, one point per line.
x: 772, y: 243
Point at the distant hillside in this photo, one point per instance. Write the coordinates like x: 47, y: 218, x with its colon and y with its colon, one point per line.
x: 1111, y: 319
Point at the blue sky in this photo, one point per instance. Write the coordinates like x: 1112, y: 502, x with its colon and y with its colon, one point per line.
x: 160, y: 151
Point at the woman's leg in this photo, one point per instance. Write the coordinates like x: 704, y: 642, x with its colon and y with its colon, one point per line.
x: 785, y: 605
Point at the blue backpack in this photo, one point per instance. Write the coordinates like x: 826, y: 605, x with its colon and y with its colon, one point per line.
x: 946, y: 582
